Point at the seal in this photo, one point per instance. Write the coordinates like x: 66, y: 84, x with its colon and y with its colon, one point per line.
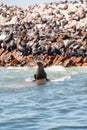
x: 40, y: 75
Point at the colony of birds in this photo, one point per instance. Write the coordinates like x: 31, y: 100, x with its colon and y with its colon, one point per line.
x: 54, y: 33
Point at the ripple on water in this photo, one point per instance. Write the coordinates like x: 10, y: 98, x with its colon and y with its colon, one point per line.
x: 57, y: 105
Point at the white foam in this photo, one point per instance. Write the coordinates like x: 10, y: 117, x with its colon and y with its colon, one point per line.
x: 54, y: 80
x: 61, y: 79
x: 56, y: 68
x: 28, y: 79
x: 18, y: 68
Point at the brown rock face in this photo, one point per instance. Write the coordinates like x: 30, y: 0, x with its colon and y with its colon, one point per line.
x: 15, y: 62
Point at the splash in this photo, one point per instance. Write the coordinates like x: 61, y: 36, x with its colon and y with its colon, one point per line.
x: 28, y: 79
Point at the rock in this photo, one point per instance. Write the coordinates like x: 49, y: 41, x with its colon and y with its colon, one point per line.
x: 78, y: 64
x: 1, y: 51
x: 7, y: 58
x: 84, y: 64
x: 55, y: 60
x: 15, y: 62
x: 55, y: 33
x: 78, y: 60
x: 85, y: 60
x: 67, y: 63
x: 4, y: 54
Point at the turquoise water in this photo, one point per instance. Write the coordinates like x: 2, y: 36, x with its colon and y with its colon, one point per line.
x: 60, y: 104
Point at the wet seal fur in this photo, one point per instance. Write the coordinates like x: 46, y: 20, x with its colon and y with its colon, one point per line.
x: 41, y: 75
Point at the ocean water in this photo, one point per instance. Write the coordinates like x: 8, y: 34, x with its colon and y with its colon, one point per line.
x: 60, y: 104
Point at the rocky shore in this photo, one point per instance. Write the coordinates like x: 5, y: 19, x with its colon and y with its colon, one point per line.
x: 54, y: 33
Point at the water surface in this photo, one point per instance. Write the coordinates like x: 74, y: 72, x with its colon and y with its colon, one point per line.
x: 60, y: 104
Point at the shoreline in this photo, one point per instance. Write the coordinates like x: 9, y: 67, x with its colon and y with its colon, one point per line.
x: 55, y: 34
